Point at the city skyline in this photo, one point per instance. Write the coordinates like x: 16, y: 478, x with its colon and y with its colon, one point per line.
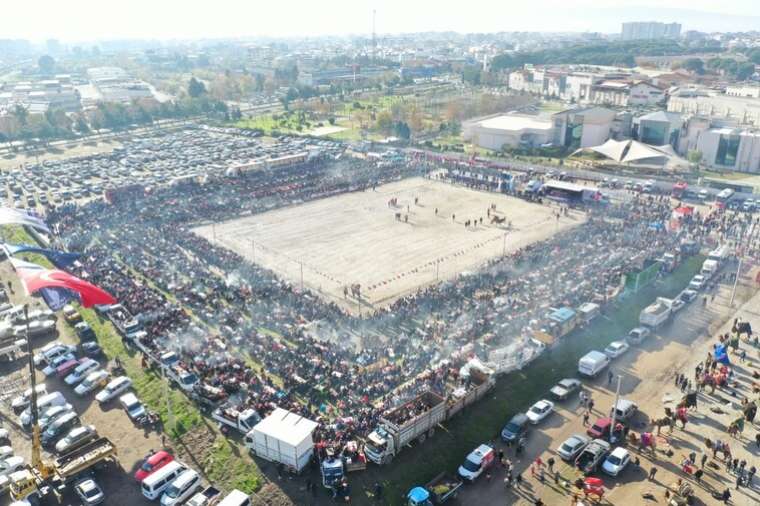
x: 174, y: 19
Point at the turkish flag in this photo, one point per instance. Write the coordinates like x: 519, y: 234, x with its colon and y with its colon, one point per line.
x: 35, y: 278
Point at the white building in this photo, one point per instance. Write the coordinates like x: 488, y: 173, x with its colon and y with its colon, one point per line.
x: 638, y: 30
x: 584, y: 127
x: 723, y: 147
x: 743, y: 90
x: 741, y: 110
x: 511, y: 130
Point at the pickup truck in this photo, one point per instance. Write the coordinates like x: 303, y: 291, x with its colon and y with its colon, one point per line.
x: 657, y: 313
x: 592, y: 456
x: 242, y: 421
x: 438, y: 491
x: 206, y: 497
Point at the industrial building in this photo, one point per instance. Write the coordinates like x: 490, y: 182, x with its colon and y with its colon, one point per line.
x: 648, y: 30
x: 583, y: 128
x: 511, y: 130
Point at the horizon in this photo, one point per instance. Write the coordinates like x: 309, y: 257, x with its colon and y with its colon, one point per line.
x: 174, y: 20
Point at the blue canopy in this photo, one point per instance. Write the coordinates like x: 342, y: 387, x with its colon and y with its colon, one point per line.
x: 418, y: 495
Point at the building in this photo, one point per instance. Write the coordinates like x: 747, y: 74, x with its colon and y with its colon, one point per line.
x: 638, y: 30
x: 739, y: 110
x: 658, y: 128
x: 114, y: 84
x: 583, y: 128
x: 743, y: 90
x: 722, y: 145
x: 510, y: 130
x: 39, y: 96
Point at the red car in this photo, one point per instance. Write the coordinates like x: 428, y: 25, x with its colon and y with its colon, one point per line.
x: 65, y: 368
x: 601, y: 429
x: 152, y: 464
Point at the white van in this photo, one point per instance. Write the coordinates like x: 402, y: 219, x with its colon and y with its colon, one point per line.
x: 592, y: 363
x: 155, y: 484
x: 181, y: 488
x: 236, y: 498
x: 43, y: 403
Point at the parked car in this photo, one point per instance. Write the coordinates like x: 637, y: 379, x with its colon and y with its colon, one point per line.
x: 81, y: 371
x: 480, y: 459
x: 601, y: 428
x: 52, y: 414
x: 11, y: 465
x: 152, y: 464
x: 697, y: 282
x: 616, y: 461
x: 59, y: 428
x: 592, y: 456
x: 114, y: 388
x: 84, y: 331
x: 616, y: 349
x: 515, y: 428
x: 132, y: 405
x: 21, y: 402
x: 572, y: 446
x: 93, y: 381
x: 624, y: 410
x: 539, y: 411
x: 76, y: 437
x: 638, y: 335
x: 89, y: 492
x: 688, y: 295
x: 181, y: 488
x: 565, y: 388
x: 91, y: 349
x: 58, y: 361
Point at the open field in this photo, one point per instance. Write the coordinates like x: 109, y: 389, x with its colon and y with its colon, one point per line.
x: 356, y: 238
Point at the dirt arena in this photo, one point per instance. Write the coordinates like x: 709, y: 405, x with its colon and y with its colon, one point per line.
x: 356, y: 238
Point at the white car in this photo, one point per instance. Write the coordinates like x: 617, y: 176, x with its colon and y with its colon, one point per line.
x: 113, y: 389
x: 51, y: 351
x: 93, y: 381
x: 688, y: 295
x: 638, y: 335
x: 22, y: 401
x: 539, y: 411
x: 11, y: 465
x: 5, y: 452
x: 132, y: 405
x: 697, y: 282
x: 616, y: 461
x: 616, y: 348
x: 82, y: 371
x: 565, y: 388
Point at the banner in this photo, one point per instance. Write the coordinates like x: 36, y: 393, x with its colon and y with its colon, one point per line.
x: 14, y: 216
x: 60, y: 259
x: 59, y: 287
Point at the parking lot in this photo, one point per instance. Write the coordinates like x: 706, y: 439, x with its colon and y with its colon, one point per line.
x: 133, y: 443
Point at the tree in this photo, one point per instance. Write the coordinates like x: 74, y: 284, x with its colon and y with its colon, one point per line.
x: 744, y: 71
x: 754, y: 56
x: 694, y: 156
x: 81, y: 125
x: 196, y: 88
x: 46, y: 64
x: 695, y: 65
x: 402, y: 130
x: 21, y: 114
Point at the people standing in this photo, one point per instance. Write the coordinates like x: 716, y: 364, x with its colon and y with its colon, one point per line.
x: 652, y: 473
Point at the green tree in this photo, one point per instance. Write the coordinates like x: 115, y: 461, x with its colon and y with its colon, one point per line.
x: 195, y: 88
x: 81, y: 125
x: 46, y: 64
x: 744, y: 71
x: 402, y: 130
x: 695, y: 65
x: 754, y: 56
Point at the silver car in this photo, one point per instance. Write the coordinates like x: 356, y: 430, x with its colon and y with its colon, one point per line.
x: 89, y: 492
x: 572, y: 446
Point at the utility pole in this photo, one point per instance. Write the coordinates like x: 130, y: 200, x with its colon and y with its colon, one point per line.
x: 301, y: 263
x: 437, y: 263
x: 169, y: 417
x: 504, y: 248
x: 213, y: 231
x: 736, y: 281
x: 614, y: 408
x: 253, y: 251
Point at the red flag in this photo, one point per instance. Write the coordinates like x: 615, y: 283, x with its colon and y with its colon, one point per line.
x: 35, y: 278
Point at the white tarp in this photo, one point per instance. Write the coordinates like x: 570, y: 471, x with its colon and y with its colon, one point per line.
x: 14, y: 216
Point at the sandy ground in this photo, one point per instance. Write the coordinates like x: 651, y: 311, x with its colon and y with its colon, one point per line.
x: 647, y: 379
x: 61, y: 151
x: 327, y: 130
x: 132, y: 443
x: 355, y: 238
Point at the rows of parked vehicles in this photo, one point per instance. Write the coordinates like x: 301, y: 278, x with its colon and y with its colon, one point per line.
x: 597, y: 449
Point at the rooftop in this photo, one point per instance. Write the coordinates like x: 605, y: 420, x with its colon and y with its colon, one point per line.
x: 516, y: 122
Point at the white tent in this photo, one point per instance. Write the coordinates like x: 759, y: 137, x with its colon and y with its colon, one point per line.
x: 637, y: 153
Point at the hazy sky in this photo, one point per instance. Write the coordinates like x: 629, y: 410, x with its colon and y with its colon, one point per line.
x: 78, y: 20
